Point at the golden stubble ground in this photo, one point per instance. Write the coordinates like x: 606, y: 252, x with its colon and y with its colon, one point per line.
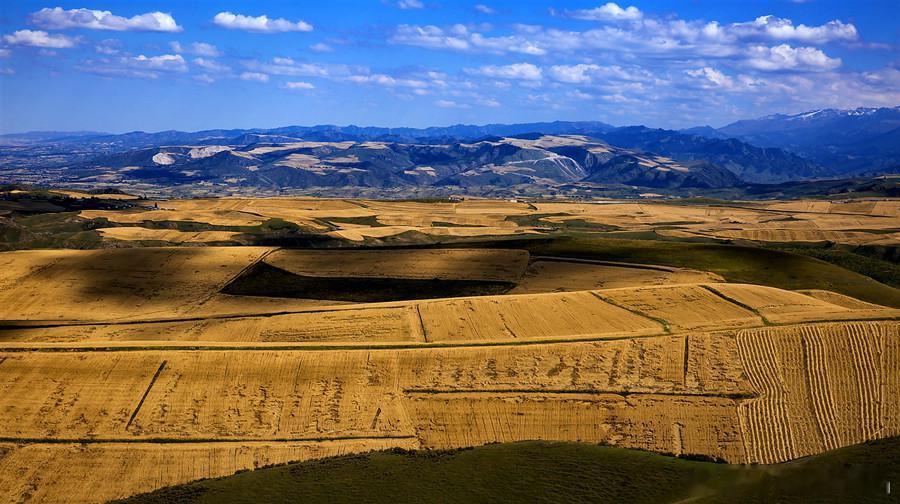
x: 123, y: 371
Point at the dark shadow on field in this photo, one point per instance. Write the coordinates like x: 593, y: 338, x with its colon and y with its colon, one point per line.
x: 265, y: 280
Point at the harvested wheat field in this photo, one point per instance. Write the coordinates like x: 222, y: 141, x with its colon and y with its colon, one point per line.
x: 367, y: 221
x: 115, y: 284
x: 125, y: 370
x: 166, y: 235
x: 553, y: 275
x: 45, y: 473
x: 741, y: 396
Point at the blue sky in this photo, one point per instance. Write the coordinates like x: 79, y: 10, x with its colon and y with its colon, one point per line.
x: 191, y: 65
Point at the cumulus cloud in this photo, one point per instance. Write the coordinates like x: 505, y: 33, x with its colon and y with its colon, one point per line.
x: 108, y: 47
x: 516, y: 71
x: 484, y: 9
x: 197, y: 49
x: 38, y: 38
x: 780, y: 29
x: 387, y: 81
x: 458, y: 37
x: 321, y: 47
x: 165, y: 62
x: 608, y: 12
x: 259, y: 24
x: 573, y: 74
x: 450, y: 104
x: 254, y: 76
x: 298, y: 86
x: 211, y: 65
x: 5, y: 53
x: 141, y: 66
x: 410, y: 4
x: 660, y: 38
x: 58, y: 19
x: 712, y: 77
x: 785, y: 57
x: 290, y: 67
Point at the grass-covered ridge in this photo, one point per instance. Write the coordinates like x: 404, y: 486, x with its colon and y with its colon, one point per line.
x: 554, y: 472
x: 741, y: 264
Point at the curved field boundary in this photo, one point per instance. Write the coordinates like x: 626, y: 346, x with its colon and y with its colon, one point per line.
x: 653, y: 267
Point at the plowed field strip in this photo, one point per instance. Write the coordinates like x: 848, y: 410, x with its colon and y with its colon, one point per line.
x: 621, y: 393
x: 143, y: 346
x: 320, y: 348
x: 181, y: 441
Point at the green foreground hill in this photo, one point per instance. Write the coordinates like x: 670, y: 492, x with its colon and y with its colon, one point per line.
x: 554, y: 472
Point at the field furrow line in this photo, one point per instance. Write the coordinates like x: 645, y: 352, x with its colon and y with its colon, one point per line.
x: 823, y: 401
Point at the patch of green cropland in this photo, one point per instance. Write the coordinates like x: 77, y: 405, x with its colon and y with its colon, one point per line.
x: 368, y: 220
x: 735, y: 263
x: 886, y: 272
x: 538, y: 220
x: 554, y: 472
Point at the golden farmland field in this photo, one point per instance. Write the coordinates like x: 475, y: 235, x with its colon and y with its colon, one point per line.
x: 311, y: 328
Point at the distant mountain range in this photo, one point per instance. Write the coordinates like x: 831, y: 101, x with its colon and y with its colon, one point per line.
x: 862, y: 140
x: 774, y: 149
x: 533, y: 159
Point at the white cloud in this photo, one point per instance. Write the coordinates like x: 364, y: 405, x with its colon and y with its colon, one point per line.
x: 450, y: 104
x: 573, y: 74
x: 488, y: 102
x: 37, y: 38
x: 516, y: 71
x: 142, y: 67
x: 204, y: 79
x: 387, y: 81
x: 165, y: 62
x: 608, y: 12
x: 211, y: 65
x: 204, y: 49
x: 712, y: 77
x: 5, y: 53
x: 59, y: 19
x: 108, y: 47
x: 484, y: 9
x: 780, y: 29
x: 197, y: 49
x: 410, y: 4
x: 254, y: 76
x: 7, y: 71
x: 666, y: 38
x: 460, y: 38
x: 321, y: 47
x: 259, y: 24
x: 290, y: 67
x: 429, y: 37
x: 785, y: 57
x: 298, y: 86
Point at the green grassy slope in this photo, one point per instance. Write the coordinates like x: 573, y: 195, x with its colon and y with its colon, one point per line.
x: 554, y: 472
x: 735, y: 263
